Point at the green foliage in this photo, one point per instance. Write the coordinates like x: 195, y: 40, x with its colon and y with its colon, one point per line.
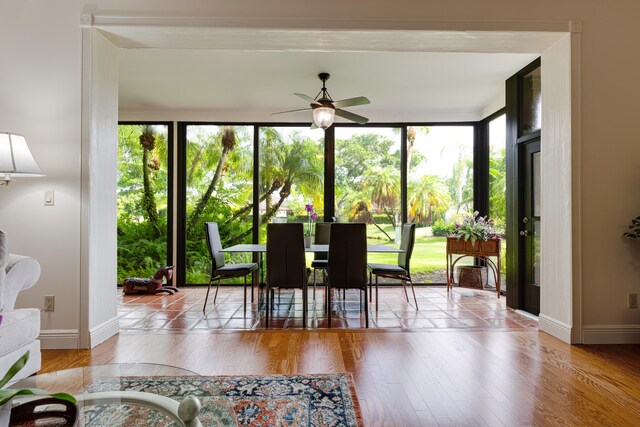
x: 7, y: 394
x: 498, y: 188
x: 442, y: 229
x: 142, y: 249
x: 634, y: 228
x: 474, y: 227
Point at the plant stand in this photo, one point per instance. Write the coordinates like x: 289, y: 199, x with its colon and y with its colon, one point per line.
x: 481, y: 249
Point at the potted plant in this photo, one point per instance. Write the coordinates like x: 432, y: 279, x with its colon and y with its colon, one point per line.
x: 7, y: 395
x: 474, y: 233
x: 308, y: 232
x: 634, y: 229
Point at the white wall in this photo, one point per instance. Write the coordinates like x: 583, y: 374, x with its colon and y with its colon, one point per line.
x: 99, y: 164
x: 40, y: 97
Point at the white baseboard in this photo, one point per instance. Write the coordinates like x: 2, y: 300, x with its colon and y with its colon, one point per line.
x: 554, y: 327
x: 611, y: 334
x: 59, y: 338
x: 103, y: 331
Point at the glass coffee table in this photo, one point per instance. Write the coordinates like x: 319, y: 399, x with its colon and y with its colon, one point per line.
x: 134, y: 394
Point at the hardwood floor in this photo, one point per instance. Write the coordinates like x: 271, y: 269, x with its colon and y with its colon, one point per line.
x: 413, y: 378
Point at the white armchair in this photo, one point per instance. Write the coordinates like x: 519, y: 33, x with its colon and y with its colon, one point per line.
x: 20, y: 328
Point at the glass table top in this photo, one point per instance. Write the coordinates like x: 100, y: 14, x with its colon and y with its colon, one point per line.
x: 127, y: 387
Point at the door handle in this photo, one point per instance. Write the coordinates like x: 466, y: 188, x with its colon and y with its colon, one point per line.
x: 524, y: 233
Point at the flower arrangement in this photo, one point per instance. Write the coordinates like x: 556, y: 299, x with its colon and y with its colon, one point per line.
x: 474, y: 227
x: 634, y: 229
x: 312, y: 216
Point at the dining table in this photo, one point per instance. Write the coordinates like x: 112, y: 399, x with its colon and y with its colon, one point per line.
x: 261, y: 248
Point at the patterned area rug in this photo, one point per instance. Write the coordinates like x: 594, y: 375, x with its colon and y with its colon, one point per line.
x: 281, y: 400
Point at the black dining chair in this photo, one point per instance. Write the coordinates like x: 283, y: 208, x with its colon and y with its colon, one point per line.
x: 320, y: 259
x: 286, y: 263
x: 401, y: 271
x: 220, y: 270
x: 347, y: 264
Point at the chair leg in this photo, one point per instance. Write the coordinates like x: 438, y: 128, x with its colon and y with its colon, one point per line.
x: 314, y: 284
x: 245, y: 296
x: 414, y: 293
x: 366, y: 308
x: 215, y: 296
x: 377, y: 293
x: 304, y: 307
x: 204, y: 308
x: 253, y: 279
x: 329, y: 306
x: 267, y: 309
x: 404, y: 286
x: 370, y: 285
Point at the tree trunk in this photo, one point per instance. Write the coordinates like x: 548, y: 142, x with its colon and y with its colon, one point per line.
x: 204, y: 200
x: 148, y: 199
x: 247, y: 208
x: 265, y: 218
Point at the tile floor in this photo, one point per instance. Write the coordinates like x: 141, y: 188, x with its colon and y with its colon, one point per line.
x: 465, y: 309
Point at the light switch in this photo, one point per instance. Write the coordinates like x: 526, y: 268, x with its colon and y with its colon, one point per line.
x: 49, y: 198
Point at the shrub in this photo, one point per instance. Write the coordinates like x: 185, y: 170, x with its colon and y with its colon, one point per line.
x: 442, y: 229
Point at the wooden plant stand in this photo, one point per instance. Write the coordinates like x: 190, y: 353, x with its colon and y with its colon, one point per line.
x: 481, y: 249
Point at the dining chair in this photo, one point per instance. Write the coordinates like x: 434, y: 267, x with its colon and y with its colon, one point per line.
x: 401, y: 271
x: 347, y: 264
x: 320, y: 259
x: 220, y: 270
x: 286, y: 263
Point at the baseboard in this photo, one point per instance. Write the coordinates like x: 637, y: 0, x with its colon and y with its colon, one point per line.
x: 103, y: 331
x: 611, y: 334
x: 59, y: 338
x: 554, y: 327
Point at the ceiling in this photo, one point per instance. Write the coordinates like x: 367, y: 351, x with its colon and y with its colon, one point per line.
x: 402, y: 86
x: 246, y: 74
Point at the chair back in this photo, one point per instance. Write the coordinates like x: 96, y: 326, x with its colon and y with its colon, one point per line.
x: 322, y: 237
x: 407, y: 241
x: 214, y: 245
x: 347, y: 264
x: 286, y: 262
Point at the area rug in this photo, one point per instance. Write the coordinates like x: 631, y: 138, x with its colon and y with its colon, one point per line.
x: 279, y: 400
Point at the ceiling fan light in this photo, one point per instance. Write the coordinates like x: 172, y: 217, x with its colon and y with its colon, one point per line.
x: 323, y: 116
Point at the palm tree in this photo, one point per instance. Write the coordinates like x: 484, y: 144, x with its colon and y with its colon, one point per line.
x: 384, y: 186
x: 296, y: 165
x: 227, y: 138
x: 148, y: 141
x: 427, y: 195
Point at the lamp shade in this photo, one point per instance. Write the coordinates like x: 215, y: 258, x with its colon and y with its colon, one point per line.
x: 16, y: 159
x: 323, y: 116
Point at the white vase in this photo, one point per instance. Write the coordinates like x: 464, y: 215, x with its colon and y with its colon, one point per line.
x: 5, y: 414
x: 307, y: 241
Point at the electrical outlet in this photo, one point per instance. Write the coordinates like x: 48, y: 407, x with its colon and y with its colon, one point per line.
x: 632, y: 300
x: 49, y: 302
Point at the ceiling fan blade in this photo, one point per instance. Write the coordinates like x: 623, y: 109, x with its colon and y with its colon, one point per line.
x: 291, y: 111
x: 307, y: 98
x: 350, y: 102
x: 350, y: 116
x: 314, y: 125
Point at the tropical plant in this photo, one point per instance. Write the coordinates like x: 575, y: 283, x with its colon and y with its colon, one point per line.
x: 634, y: 228
x: 312, y: 216
x: 428, y: 198
x: 6, y: 394
x: 474, y: 227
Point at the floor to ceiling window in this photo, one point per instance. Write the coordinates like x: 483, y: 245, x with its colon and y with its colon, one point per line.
x: 219, y: 188
x: 439, y: 191
x: 498, y: 182
x: 221, y: 184
x: 291, y: 175
x: 144, y: 153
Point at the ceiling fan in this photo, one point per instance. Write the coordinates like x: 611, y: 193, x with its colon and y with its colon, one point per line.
x: 325, y: 109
